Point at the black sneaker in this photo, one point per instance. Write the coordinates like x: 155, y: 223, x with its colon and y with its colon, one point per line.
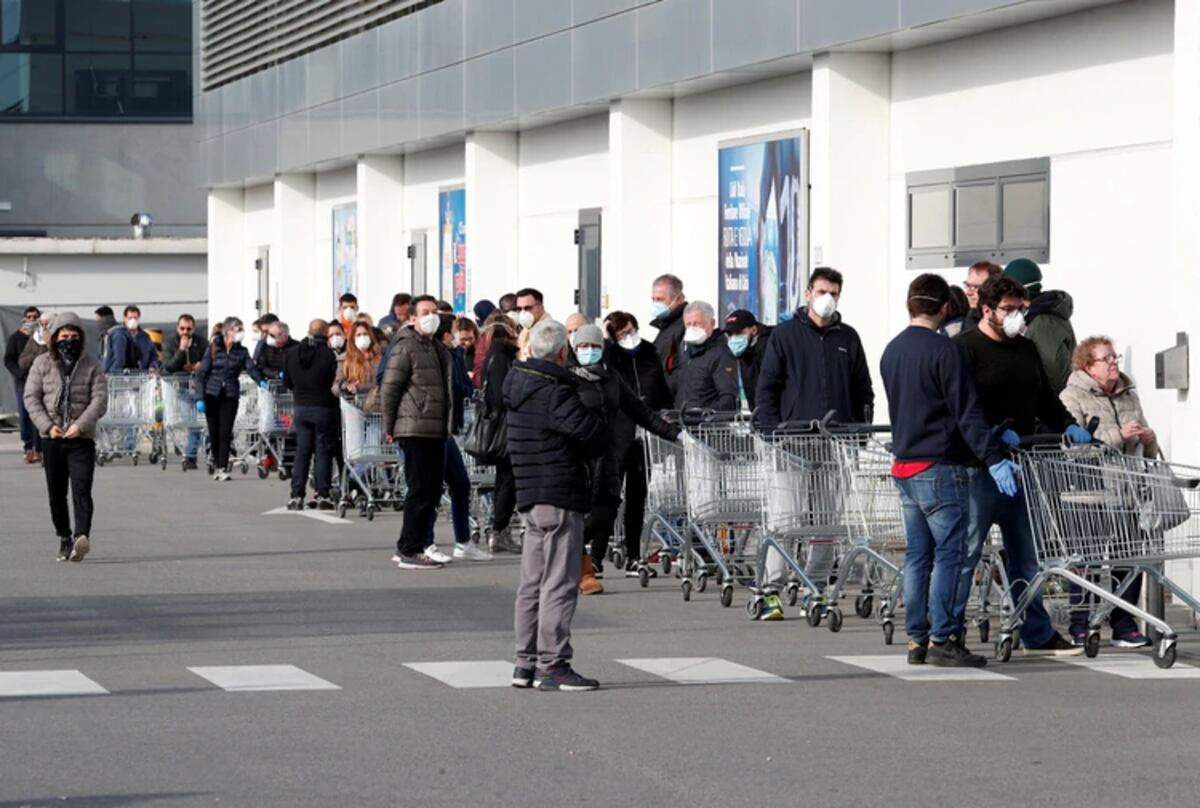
x: 597, y: 567
x: 1129, y: 639
x: 295, y: 504
x: 324, y: 504
x: 189, y: 464
x: 1057, y: 645
x: 917, y: 651
x: 64, y: 550
x: 633, y: 570
x: 522, y: 678
x: 420, y: 561
x: 566, y: 680
x: 951, y: 654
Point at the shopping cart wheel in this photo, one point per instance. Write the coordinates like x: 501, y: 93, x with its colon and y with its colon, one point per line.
x: 263, y: 473
x: 1004, y: 649
x: 727, y: 596
x: 1165, y: 657
x: 397, y: 506
x: 889, y: 633
x: 685, y: 586
x: 702, y: 582
x: 211, y: 469
x: 665, y: 561
x: 863, y: 606
x: 644, y: 576
x: 835, y: 620
x: 371, y: 513
x: 163, y: 462
x: 136, y: 458
x: 985, y: 630
x: 284, y: 474
x: 101, y: 460
x: 618, y: 559
x: 1091, y: 646
x: 754, y: 607
x: 246, y: 468
x: 815, y: 613
x: 791, y: 593
x: 341, y: 510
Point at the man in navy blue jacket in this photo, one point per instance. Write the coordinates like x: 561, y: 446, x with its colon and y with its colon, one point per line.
x: 938, y: 432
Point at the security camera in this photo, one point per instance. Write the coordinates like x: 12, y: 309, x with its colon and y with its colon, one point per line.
x: 141, y: 224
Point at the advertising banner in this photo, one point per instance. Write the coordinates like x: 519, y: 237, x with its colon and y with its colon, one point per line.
x: 763, y: 246
x: 345, y: 250
x: 452, y: 247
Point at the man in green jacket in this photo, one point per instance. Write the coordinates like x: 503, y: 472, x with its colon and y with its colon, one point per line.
x: 1048, y: 324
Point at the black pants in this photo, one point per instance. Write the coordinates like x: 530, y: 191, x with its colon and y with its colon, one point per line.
x: 70, y: 462
x: 220, y: 412
x: 424, y: 471
x: 504, y: 498
x: 600, y: 522
x: 316, y: 428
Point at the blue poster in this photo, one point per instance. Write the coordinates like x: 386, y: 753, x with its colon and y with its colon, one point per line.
x: 764, y: 229
x: 452, y: 247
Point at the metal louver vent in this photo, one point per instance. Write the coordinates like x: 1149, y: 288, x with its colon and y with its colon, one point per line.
x: 241, y: 37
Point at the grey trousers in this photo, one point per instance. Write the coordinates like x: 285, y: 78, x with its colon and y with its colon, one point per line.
x: 551, y: 563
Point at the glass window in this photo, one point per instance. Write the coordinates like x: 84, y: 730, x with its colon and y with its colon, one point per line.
x: 975, y: 214
x: 98, y: 84
x: 28, y: 22
x: 162, y: 25
x: 929, y: 218
x: 1025, y: 209
x: 98, y: 25
x: 30, y: 84
x: 162, y: 84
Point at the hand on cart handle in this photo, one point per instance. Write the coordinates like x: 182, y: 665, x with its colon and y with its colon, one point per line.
x: 264, y: 385
x: 1077, y: 434
x: 1005, y: 475
x: 200, y: 406
x: 1008, y: 438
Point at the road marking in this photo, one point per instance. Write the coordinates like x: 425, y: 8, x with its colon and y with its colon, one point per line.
x: 466, y: 675
x: 321, y: 516
x: 254, y: 678
x: 897, y: 666
x: 24, y: 684
x: 1130, y: 666
x: 702, y: 671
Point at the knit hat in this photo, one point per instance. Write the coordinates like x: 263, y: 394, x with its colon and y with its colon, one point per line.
x: 483, y: 310
x: 1026, y: 273
x: 587, y: 335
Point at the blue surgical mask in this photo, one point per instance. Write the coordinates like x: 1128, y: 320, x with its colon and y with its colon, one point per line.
x: 738, y: 343
x: 588, y: 356
x: 659, y: 309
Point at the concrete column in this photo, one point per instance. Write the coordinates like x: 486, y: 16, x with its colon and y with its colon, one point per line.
x: 636, y: 226
x: 232, y: 286
x: 383, y: 267
x: 849, y: 164
x: 302, y: 295
x: 492, y: 215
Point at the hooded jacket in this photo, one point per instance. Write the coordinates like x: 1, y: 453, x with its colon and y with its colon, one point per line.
x: 220, y: 369
x: 130, y: 351
x: 552, y: 437
x: 668, y: 343
x: 1085, y: 400
x: 808, y: 371
x: 416, y: 391
x: 707, y: 378
x: 52, y: 387
x: 1048, y: 326
x: 309, y: 372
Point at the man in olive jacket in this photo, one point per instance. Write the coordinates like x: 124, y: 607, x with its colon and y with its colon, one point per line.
x: 417, y: 406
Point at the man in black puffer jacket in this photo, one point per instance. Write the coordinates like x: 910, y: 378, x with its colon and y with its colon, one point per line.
x: 309, y: 372
x: 552, y: 437
x: 708, y: 372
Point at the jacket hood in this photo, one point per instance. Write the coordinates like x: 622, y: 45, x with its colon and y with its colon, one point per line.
x: 64, y: 319
x: 670, y: 317
x: 1082, y: 380
x: 307, y: 352
x: 1057, y: 303
x: 526, y: 378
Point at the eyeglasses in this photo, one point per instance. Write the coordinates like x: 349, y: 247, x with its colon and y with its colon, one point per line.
x: 1111, y: 359
x: 1007, y: 310
x: 183, y: 330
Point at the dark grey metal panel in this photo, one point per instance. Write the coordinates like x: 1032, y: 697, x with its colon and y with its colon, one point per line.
x: 536, y: 18
x: 293, y: 140
x: 674, y: 41
x: 543, y: 74
x: 441, y: 101
x: 360, y: 122
x: 750, y: 31
x: 322, y: 81
x: 441, y: 32
x: 827, y: 22
x: 584, y: 11
x: 920, y: 12
x: 399, y: 112
x: 325, y: 131
x: 488, y: 25
x: 490, y: 92
x: 360, y: 63
x: 399, y: 49
x: 604, y: 58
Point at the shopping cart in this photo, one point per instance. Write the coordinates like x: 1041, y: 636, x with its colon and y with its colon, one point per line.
x: 1093, y: 510
x: 483, y: 489
x: 246, y: 428
x: 276, y: 410
x: 725, y: 491
x: 666, y: 532
x: 370, y: 465
x: 129, y: 419
x: 182, y: 425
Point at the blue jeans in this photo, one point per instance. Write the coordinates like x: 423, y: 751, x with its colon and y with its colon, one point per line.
x: 990, y: 507
x: 459, y: 485
x: 193, y: 444
x: 937, y: 510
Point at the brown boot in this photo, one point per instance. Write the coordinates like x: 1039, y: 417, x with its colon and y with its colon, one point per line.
x: 588, y: 583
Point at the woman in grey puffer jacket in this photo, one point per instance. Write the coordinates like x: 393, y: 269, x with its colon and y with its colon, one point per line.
x: 66, y: 394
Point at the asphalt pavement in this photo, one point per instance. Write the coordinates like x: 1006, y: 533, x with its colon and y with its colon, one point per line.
x: 208, y: 652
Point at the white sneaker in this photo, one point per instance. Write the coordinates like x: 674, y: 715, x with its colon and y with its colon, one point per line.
x: 434, y: 554
x: 471, y: 552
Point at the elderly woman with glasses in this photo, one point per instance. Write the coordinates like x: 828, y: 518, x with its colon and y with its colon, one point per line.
x: 1097, y: 389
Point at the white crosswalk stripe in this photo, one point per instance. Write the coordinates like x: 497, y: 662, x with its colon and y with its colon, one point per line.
x: 1132, y: 667
x: 27, y: 684
x: 897, y: 666
x: 702, y: 671
x: 469, y: 674
x: 258, y: 678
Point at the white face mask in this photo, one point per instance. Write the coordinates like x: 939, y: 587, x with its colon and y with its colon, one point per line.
x: 428, y: 323
x: 132, y: 323
x: 39, y: 336
x: 515, y: 316
x: 349, y: 314
x: 237, y: 336
x: 1014, y: 324
x: 362, y: 342
x: 630, y: 341
x: 824, y: 305
x: 337, y: 342
x: 525, y: 318
x: 694, y: 335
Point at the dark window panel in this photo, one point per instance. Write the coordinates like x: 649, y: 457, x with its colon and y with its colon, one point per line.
x: 30, y: 84
x: 162, y: 25
x: 31, y: 23
x: 98, y: 25
x: 162, y: 85
x: 98, y: 84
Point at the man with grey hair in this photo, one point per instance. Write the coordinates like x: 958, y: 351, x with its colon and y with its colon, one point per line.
x: 552, y: 437
x: 708, y: 371
x: 667, y: 303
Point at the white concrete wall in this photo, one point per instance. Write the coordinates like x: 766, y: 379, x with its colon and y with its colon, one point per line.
x: 333, y: 189
x: 425, y: 174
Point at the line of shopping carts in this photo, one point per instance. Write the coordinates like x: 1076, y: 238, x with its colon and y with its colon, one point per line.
x: 810, y: 513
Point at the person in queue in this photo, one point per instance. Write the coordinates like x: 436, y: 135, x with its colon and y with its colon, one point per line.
x: 1097, y: 389
x: 309, y: 372
x: 17, y: 340
x: 398, y: 315
x: 530, y: 311
x: 747, y: 339
x: 707, y: 376
x: 66, y: 395
x: 130, y: 348
x: 275, y: 348
x: 218, y: 390
x: 667, y: 303
x: 335, y: 336
x: 502, y: 353
x: 466, y: 337
x: 347, y: 310
x: 182, y: 356
x: 977, y: 275
x: 1048, y: 323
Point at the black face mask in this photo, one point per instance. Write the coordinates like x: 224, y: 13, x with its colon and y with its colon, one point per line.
x: 70, y: 349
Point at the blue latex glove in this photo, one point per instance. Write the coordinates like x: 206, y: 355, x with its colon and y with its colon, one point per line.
x: 1077, y: 434
x: 1007, y: 437
x: 1005, y: 475
x: 264, y: 385
x: 200, y: 406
